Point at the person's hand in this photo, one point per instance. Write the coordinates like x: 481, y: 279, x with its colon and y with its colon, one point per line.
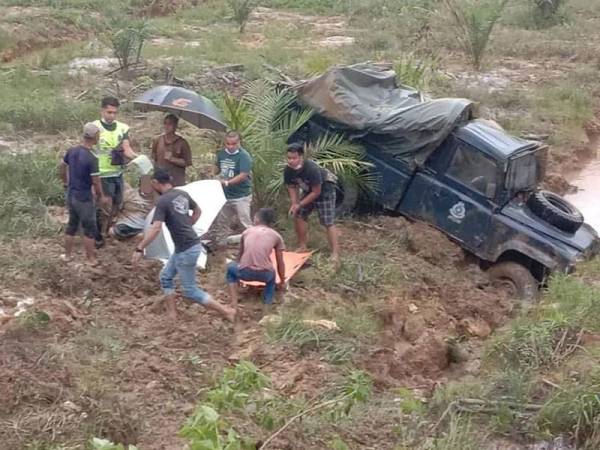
x: 225, y: 183
x: 294, y: 210
x: 105, y: 200
x: 136, y: 257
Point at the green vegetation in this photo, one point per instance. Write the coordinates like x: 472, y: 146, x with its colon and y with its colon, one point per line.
x: 267, y: 122
x: 127, y: 39
x: 35, y: 101
x: 28, y: 183
x: 241, y: 11
x: 474, y: 21
x: 243, y: 389
x: 538, y: 378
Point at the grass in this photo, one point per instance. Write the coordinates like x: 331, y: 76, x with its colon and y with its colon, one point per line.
x: 34, y: 101
x: 28, y: 184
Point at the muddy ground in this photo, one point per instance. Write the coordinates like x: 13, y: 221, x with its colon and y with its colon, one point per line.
x: 108, y: 363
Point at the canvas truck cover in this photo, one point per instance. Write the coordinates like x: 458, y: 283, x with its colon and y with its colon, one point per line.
x: 366, y: 103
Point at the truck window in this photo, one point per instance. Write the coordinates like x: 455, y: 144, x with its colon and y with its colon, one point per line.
x: 472, y: 169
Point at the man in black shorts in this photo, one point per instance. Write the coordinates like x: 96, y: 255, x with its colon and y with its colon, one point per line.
x: 311, y: 186
x: 79, y: 172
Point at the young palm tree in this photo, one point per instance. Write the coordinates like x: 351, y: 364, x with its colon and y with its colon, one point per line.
x: 267, y: 118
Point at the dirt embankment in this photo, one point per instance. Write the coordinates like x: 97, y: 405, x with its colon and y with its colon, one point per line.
x: 107, y: 364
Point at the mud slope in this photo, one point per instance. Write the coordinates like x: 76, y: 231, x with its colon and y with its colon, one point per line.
x: 92, y: 357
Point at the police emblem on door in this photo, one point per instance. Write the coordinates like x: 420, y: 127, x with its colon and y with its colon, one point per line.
x: 457, y: 213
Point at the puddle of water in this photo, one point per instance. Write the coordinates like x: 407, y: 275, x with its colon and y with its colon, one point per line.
x: 587, y: 198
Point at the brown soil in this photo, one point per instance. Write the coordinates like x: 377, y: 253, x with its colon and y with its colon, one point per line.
x: 107, y: 364
x: 48, y: 32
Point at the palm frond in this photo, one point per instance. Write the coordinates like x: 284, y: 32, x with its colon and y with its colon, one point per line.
x: 275, y: 118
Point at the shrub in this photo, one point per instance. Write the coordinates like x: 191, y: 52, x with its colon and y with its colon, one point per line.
x: 127, y: 40
x: 547, y: 12
x: 271, y: 120
x: 241, y: 11
x: 474, y: 21
x: 575, y: 410
x: 415, y: 72
x: 28, y: 183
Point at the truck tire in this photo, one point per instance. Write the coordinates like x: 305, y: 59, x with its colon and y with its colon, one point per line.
x: 516, y: 279
x: 346, y: 198
x: 555, y: 210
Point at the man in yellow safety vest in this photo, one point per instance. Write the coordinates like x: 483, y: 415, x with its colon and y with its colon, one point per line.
x: 113, y: 150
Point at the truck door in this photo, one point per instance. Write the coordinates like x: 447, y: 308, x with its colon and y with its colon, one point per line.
x: 457, y: 200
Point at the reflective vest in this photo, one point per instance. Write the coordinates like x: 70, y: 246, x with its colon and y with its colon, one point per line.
x: 109, y: 140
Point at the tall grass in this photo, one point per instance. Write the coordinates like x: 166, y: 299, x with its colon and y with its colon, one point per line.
x: 28, y: 183
x: 35, y: 101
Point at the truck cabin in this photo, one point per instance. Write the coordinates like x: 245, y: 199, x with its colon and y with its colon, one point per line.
x: 486, y: 160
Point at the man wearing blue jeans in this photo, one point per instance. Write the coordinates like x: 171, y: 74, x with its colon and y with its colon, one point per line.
x: 254, y: 260
x: 173, y: 209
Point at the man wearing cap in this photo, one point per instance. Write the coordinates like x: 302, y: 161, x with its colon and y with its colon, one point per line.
x: 79, y: 173
x: 112, y: 150
x: 171, y: 151
x: 172, y: 209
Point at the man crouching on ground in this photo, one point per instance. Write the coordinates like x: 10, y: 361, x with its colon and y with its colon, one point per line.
x: 254, y: 259
x: 173, y: 209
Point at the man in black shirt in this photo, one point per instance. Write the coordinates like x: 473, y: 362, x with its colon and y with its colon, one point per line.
x: 79, y: 173
x: 173, y: 210
x: 317, y: 190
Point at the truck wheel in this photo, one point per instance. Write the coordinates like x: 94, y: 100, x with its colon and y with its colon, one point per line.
x: 346, y: 198
x: 555, y: 210
x: 516, y: 279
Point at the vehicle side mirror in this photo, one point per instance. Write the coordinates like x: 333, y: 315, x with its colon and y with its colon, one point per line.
x: 490, y: 191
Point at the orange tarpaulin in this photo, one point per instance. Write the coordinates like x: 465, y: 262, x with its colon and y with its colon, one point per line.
x: 293, y: 263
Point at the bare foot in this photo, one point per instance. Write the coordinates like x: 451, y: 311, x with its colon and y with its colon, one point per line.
x: 335, y: 261
x: 229, y: 313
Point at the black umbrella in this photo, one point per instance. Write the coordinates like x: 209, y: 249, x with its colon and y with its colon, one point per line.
x: 188, y: 105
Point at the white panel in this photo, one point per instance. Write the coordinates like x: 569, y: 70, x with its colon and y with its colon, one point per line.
x: 209, y: 196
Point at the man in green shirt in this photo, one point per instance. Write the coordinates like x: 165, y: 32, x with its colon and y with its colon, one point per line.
x: 234, y: 168
x: 112, y: 151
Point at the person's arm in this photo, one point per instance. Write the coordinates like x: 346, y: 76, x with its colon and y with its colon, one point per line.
x: 241, y: 251
x: 149, y: 236
x: 127, y: 150
x: 64, y: 173
x: 280, y: 265
x: 242, y: 176
x: 97, y: 185
x: 315, y: 191
x: 186, y: 157
x: 154, y: 150
x: 196, y: 214
x: 293, y: 193
x: 245, y: 169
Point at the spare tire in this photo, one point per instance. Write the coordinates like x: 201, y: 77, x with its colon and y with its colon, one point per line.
x: 555, y: 210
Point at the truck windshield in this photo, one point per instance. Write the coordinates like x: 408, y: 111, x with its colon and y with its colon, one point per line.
x: 522, y: 173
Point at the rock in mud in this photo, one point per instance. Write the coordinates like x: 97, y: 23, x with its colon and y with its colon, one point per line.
x: 475, y: 327
x: 413, y: 328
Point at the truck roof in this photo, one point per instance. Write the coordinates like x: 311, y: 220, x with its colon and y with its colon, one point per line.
x: 488, y: 137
